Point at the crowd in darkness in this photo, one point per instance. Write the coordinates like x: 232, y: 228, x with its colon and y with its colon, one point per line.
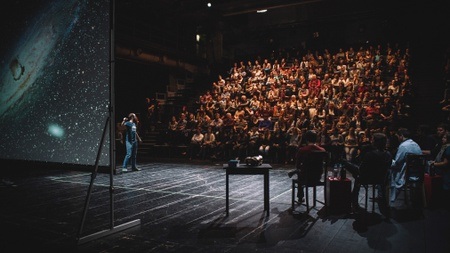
x: 263, y: 106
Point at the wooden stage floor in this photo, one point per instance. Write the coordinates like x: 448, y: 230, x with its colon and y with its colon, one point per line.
x: 181, y: 208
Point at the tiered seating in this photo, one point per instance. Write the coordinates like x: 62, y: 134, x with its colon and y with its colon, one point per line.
x: 344, y: 95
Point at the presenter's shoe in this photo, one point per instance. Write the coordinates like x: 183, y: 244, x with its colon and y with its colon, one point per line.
x: 124, y: 170
x: 135, y: 169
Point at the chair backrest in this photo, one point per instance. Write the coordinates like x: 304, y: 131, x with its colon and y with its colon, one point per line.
x: 415, y: 168
x: 374, y: 168
x: 313, y: 167
x: 336, y: 152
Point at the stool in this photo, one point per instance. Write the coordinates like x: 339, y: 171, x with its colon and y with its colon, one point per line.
x: 433, y: 189
x: 338, y: 195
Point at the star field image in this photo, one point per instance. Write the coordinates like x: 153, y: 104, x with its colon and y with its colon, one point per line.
x: 54, y: 80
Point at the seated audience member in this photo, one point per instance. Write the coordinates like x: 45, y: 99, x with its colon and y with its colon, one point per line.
x: 294, y: 135
x: 228, y: 122
x: 209, y: 144
x: 350, y: 144
x: 375, y: 162
x: 397, y: 174
x: 279, y: 146
x: 265, y: 143
x: 253, y: 136
x: 264, y: 124
x: 216, y: 123
x: 196, y: 143
x: 240, y: 145
x: 181, y: 133
x: 172, y: 130
x: 442, y: 166
x: 441, y: 130
x: 229, y: 143
x: 302, y: 154
x: 336, y: 147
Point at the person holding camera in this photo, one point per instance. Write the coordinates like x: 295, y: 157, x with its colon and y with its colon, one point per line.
x: 131, y: 141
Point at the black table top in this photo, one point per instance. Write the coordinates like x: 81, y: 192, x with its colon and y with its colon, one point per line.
x: 245, y: 166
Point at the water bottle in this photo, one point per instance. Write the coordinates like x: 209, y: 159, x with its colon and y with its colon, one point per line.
x: 330, y: 174
x: 335, y: 171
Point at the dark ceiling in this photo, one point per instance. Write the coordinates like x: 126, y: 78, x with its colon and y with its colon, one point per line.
x: 223, y: 14
x: 169, y: 24
x: 167, y: 21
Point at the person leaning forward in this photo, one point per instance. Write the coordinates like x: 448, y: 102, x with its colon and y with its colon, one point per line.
x: 375, y: 163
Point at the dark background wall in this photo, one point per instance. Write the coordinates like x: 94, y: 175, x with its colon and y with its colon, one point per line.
x: 134, y: 82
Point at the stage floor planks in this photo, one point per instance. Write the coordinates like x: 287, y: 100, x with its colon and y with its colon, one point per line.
x: 182, y: 209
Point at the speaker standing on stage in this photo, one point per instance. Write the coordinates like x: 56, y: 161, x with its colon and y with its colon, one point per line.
x: 131, y: 139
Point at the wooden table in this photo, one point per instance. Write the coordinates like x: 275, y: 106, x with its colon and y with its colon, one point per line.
x: 243, y: 169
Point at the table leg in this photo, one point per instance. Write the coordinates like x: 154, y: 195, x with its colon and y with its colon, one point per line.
x: 266, y: 193
x: 227, y: 191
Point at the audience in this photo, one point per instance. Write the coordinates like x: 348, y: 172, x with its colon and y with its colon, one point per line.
x: 345, y: 96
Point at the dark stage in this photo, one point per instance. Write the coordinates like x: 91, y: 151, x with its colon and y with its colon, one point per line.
x: 181, y: 208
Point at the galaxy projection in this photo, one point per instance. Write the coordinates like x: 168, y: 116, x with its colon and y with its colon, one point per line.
x: 54, y: 80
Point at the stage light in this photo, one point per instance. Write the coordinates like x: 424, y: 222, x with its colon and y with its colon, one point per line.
x: 197, y: 37
x: 209, y: 4
x: 261, y: 11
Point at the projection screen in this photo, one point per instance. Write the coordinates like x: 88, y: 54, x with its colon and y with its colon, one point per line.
x: 54, y: 80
